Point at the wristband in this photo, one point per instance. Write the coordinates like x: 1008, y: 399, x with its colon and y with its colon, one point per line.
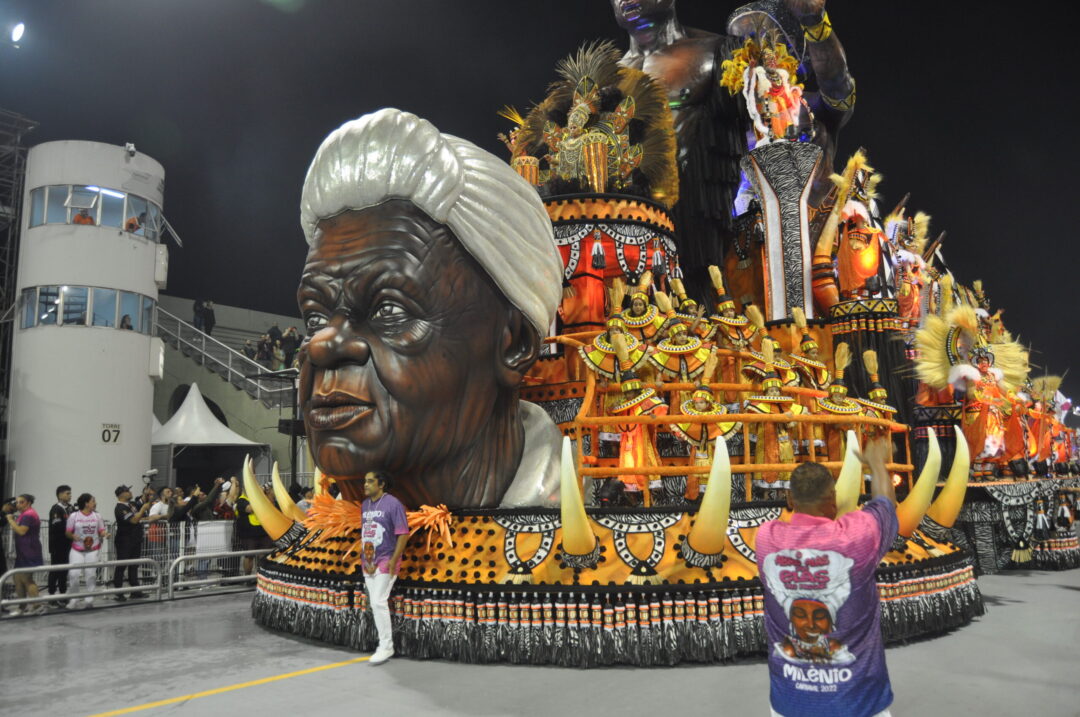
x: 819, y: 32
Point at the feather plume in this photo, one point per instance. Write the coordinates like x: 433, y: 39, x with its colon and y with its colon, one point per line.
x: 872, y: 185
x: 799, y: 316
x: 679, y: 289
x: 618, y: 341
x: 754, y: 314
x: 842, y: 357
x: 1045, y: 388
x: 769, y: 352
x: 869, y: 359
x: 597, y: 60
x: 920, y: 232
x: 977, y: 285
x: 933, y: 365
x: 946, y: 284
x: 645, y: 281
x: 717, y: 280
x: 618, y: 293
x: 336, y: 519
x: 511, y: 113
x: 663, y: 303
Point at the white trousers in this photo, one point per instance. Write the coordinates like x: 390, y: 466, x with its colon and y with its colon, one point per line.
x: 378, y: 590
x: 82, y: 558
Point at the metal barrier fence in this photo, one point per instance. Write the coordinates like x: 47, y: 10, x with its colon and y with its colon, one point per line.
x: 205, y: 549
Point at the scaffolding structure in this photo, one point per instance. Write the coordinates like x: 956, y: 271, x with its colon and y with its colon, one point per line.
x: 13, y: 129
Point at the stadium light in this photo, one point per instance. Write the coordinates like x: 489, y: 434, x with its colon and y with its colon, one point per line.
x: 17, y: 32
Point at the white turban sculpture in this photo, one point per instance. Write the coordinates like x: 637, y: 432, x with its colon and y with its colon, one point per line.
x: 495, y: 214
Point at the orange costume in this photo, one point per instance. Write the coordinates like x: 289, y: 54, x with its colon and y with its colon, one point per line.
x: 984, y: 416
x: 701, y: 436
x: 858, y: 258
x: 637, y: 447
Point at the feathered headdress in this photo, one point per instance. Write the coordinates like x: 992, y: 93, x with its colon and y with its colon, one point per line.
x: 807, y: 342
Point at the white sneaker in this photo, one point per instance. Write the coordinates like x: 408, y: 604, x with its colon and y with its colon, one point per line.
x: 39, y: 609
x: 381, y: 655
x: 88, y: 602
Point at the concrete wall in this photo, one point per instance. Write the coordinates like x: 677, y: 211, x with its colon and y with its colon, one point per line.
x: 245, y: 415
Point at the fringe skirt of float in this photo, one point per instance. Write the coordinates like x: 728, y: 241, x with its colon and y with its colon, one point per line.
x: 662, y: 625
x: 1057, y: 553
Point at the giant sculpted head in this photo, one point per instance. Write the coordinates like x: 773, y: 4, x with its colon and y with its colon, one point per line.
x: 430, y: 278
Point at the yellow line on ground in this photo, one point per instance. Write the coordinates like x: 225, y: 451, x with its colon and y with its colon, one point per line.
x: 230, y: 688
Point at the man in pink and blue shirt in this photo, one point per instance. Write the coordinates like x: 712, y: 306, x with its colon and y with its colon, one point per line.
x: 822, y: 608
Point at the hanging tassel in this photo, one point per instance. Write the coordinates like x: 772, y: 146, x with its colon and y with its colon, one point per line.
x: 659, y: 267
x: 599, y: 259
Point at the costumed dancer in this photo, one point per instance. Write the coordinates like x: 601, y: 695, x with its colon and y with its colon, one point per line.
x: 765, y: 74
x: 814, y: 373
x: 701, y: 437
x: 909, y: 241
x: 643, y: 320
x: 732, y: 331
x: 600, y: 357
x: 985, y: 410
x: 858, y: 253
x: 679, y: 358
x: 690, y: 312
x: 875, y: 406
x: 637, y: 445
x: 756, y: 369
x: 774, y: 442
x: 837, y: 403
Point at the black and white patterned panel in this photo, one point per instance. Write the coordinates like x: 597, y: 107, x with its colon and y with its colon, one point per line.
x: 748, y: 518
x: 571, y: 235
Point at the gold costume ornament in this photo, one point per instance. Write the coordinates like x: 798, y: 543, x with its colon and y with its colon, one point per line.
x: 618, y: 134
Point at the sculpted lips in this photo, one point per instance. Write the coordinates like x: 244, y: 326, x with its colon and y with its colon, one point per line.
x: 336, y: 410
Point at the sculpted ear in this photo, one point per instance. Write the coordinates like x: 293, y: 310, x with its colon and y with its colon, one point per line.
x: 519, y: 348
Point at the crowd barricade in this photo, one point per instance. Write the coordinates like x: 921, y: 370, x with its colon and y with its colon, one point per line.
x: 172, y: 557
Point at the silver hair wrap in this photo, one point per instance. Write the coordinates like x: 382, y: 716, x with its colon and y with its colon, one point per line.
x: 495, y: 214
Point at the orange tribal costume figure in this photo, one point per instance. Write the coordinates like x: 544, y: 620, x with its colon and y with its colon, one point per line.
x: 756, y: 370
x: 643, y: 320
x: 813, y: 372
x: 701, y: 436
x: 637, y: 444
x: 837, y: 403
x: 774, y: 441
x: 875, y: 406
x: 731, y: 331
x: 691, y: 313
x: 985, y: 411
x: 600, y: 357
x: 858, y: 254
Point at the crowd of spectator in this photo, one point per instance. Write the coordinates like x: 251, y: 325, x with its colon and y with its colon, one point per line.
x: 275, y: 350
x: 147, y: 525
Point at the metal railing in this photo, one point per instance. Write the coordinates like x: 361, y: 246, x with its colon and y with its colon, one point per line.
x: 156, y: 586
x: 216, y: 356
x: 179, y: 583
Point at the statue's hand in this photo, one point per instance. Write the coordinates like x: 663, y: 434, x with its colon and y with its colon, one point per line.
x: 809, y: 12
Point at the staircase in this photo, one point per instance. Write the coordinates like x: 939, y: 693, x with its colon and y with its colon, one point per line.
x: 226, y: 362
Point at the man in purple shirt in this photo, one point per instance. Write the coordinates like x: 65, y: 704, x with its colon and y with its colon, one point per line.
x: 384, y: 532
x: 26, y: 527
x: 822, y: 608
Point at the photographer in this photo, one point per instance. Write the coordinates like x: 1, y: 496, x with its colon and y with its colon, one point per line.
x: 128, y: 538
x: 59, y: 545
x: 26, y: 527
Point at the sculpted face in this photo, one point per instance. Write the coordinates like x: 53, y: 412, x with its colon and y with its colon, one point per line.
x: 402, y: 366
x: 810, y: 620
x: 634, y: 15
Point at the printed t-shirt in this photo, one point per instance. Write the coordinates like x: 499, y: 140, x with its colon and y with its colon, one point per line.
x: 822, y: 611
x: 28, y: 546
x: 382, y: 521
x: 85, y: 526
x: 126, y: 531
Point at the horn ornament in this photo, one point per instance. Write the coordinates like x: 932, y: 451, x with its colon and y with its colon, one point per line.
x: 709, y: 534
x: 273, y: 522
x: 578, y: 539
x: 951, y: 498
x: 284, y: 500
x: 910, y: 513
x: 849, y: 482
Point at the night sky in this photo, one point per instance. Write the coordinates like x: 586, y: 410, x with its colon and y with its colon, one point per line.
x: 234, y: 97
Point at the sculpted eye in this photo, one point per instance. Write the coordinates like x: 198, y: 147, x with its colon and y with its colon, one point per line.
x: 389, y: 311
x: 315, y: 322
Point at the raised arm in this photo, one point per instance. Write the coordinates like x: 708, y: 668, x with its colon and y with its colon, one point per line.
x: 827, y: 56
x: 876, y: 454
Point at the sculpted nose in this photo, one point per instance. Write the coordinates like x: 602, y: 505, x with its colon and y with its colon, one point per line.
x: 337, y: 343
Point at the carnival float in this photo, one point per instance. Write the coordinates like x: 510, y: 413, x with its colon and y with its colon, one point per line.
x: 730, y: 304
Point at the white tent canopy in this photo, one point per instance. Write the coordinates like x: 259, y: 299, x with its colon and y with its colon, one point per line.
x: 195, y: 425
x: 155, y: 424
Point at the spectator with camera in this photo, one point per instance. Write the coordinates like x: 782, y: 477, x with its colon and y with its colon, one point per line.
x: 129, y: 534
x: 85, y: 529
x: 59, y: 545
x: 26, y: 528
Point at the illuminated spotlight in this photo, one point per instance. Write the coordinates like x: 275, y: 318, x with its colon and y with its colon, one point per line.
x: 896, y: 480
x: 17, y: 32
